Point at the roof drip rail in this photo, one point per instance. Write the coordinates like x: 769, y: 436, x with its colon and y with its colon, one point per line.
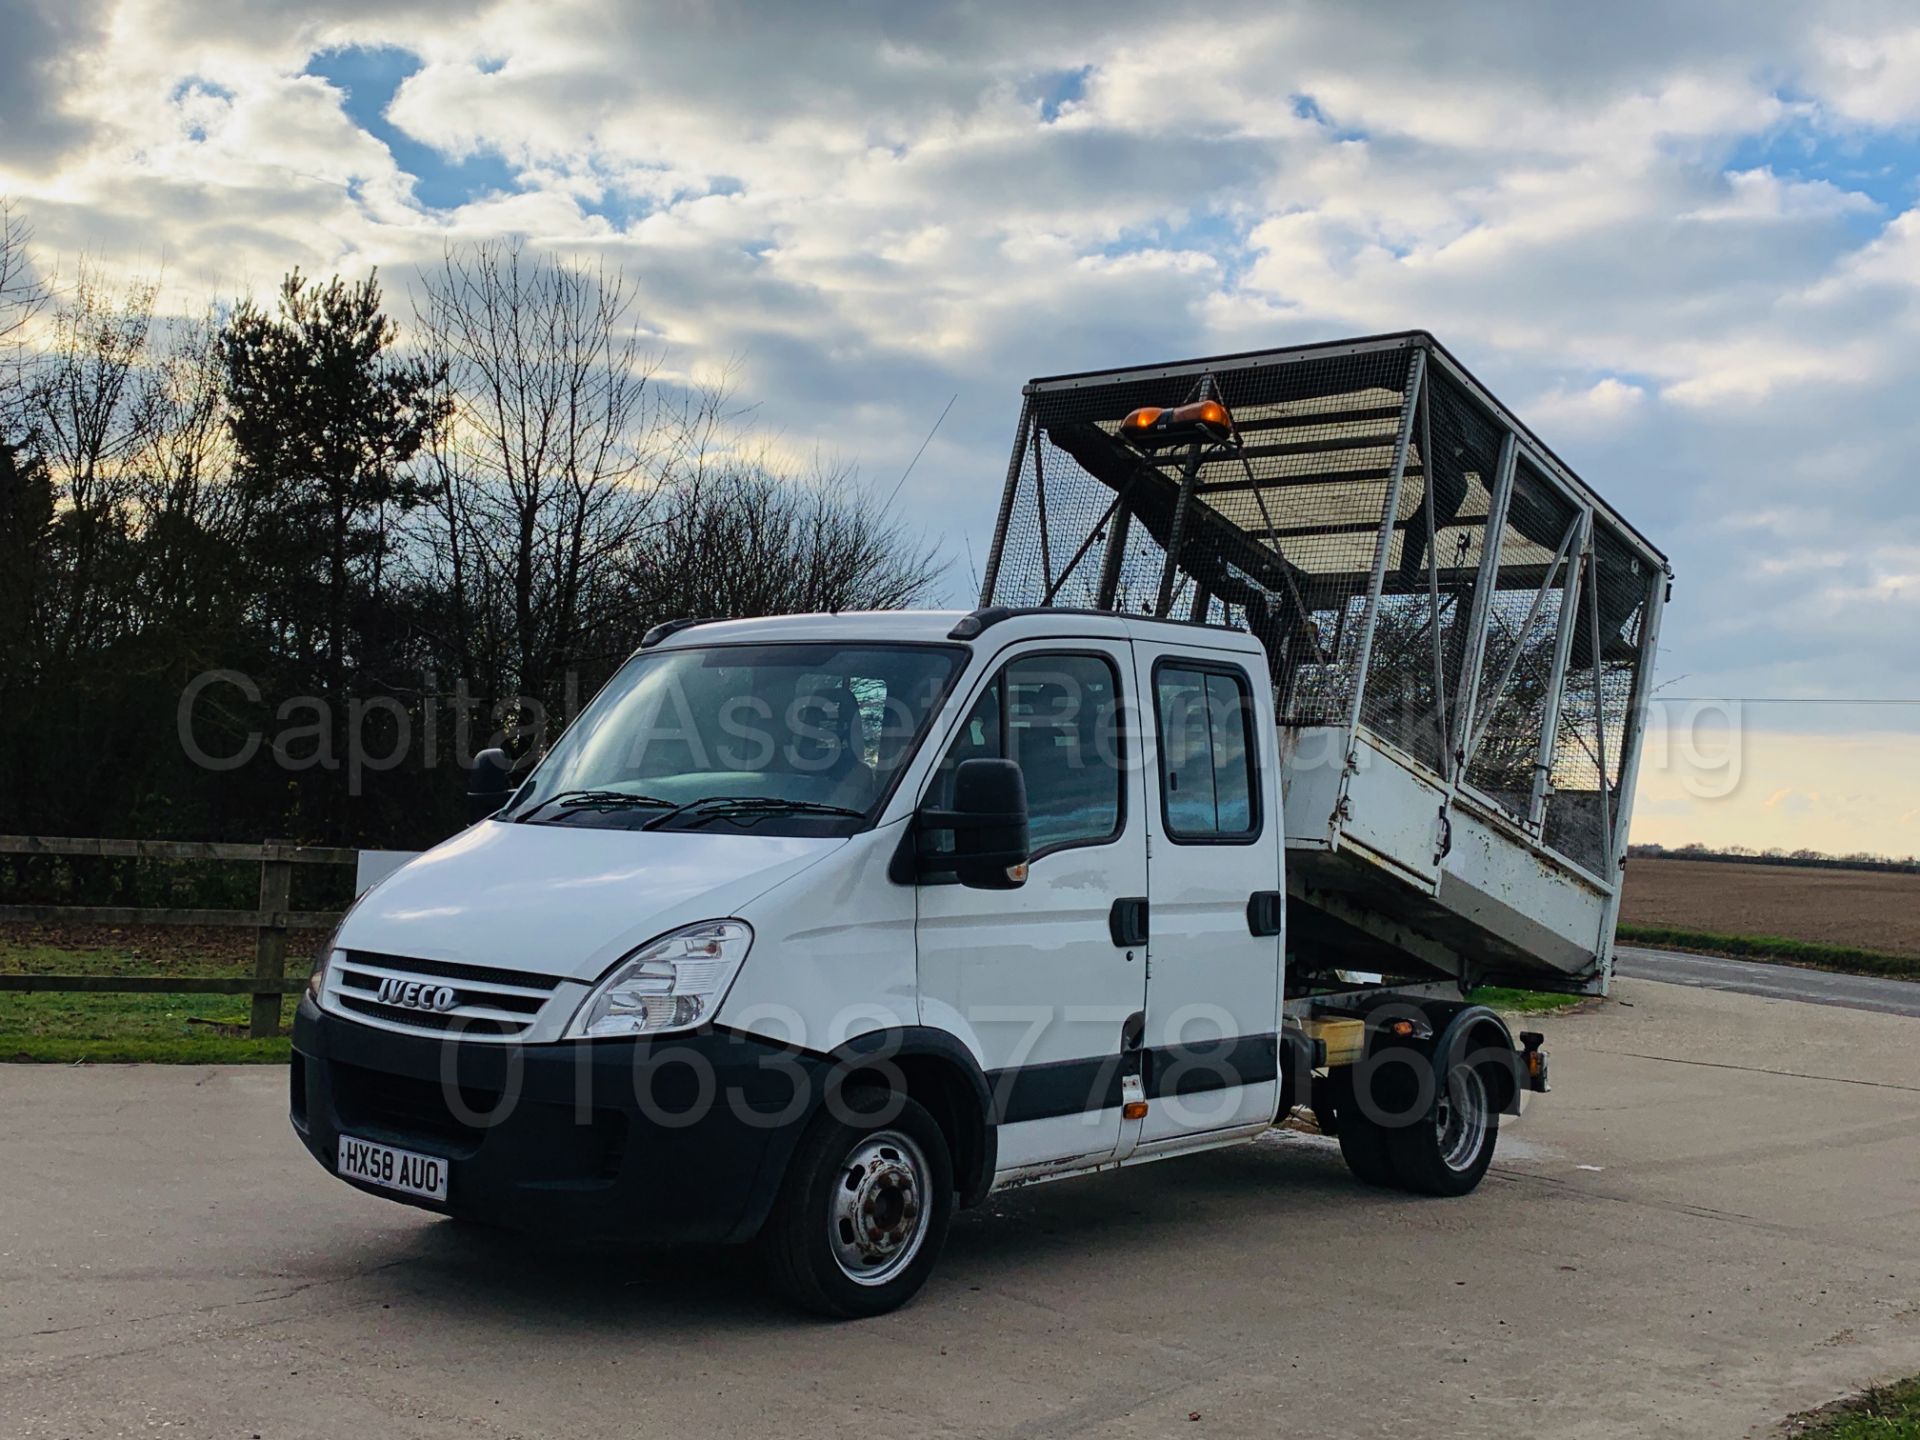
x: 971, y: 626
x: 669, y: 628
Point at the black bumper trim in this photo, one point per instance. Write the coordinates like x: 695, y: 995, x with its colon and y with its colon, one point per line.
x: 681, y: 1139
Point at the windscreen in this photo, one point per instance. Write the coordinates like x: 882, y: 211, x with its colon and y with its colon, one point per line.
x: 803, y: 738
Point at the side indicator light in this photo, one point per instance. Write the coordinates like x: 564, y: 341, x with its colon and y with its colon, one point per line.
x: 1134, y: 1110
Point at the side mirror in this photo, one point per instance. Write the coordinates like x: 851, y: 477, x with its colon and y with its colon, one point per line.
x: 991, y: 844
x: 489, y: 783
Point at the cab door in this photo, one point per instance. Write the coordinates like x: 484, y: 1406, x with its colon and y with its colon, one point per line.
x: 1214, y: 882
x: 1038, y: 979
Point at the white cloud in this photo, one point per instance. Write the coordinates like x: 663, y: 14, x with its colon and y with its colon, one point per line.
x: 1607, y: 402
x: 1873, y: 79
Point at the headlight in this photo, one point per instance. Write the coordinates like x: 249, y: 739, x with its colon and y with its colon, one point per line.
x: 322, y: 958
x: 673, y: 983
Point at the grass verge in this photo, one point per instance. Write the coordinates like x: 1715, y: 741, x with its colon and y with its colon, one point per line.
x: 27, y: 1049
x: 1890, y: 1412
x: 1525, y: 1002
x: 1778, y: 949
x: 70, y: 1028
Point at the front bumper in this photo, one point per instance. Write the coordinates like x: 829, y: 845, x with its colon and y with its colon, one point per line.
x: 679, y: 1139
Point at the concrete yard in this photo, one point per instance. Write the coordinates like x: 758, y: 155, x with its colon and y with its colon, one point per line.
x: 1712, y: 1222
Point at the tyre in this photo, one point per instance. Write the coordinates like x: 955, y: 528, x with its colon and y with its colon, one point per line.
x: 864, y: 1208
x: 1363, y: 1141
x: 1447, y: 1149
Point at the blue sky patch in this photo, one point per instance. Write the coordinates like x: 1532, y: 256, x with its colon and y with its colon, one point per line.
x: 1221, y: 235
x: 1883, y: 165
x: 1308, y: 108
x: 619, y: 208
x: 369, y: 76
x: 201, y: 85
x: 193, y: 87
x: 1057, y: 89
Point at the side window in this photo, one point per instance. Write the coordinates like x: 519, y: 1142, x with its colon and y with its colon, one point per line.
x: 1058, y: 716
x: 1063, y: 726
x: 979, y: 739
x: 1205, y: 719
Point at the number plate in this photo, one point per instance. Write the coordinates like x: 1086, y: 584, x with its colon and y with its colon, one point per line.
x: 392, y: 1169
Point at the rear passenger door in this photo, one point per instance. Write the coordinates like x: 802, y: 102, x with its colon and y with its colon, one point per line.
x: 1213, y: 817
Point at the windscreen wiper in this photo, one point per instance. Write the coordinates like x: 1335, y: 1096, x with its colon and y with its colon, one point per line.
x: 746, y: 807
x: 601, y: 800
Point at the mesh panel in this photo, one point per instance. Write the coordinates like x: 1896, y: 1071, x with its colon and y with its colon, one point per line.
x: 1523, y: 627
x: 1280, y: 540
x: 1426, y: 601
x: 1591, y: 736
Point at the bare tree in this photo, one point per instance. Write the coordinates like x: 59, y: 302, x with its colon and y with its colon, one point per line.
x: 189, y: 514
x: 26, y: 501
x: 21, y: 297
x: 543, y: 476
x: 90, y: 410
x: 741, y: 538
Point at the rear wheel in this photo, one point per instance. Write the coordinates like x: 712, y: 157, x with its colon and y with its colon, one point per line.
x: 864, y: 1208
x: 1363, y: 1141
x: 1446, y: 1150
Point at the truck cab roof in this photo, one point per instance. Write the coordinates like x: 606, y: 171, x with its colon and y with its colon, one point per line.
x: 1002, y: 624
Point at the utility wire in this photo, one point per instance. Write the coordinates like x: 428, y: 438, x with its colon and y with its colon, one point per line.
x: 921, y: 451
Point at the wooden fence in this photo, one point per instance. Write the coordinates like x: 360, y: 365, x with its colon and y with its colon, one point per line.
x: 271, y: 921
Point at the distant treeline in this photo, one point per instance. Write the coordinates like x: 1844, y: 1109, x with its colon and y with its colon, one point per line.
x: 275, y: 570
x: 1805, y: 859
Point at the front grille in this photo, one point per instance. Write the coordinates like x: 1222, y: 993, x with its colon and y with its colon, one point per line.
x: 440, y: 1117
x: 414, y: 1109
x: 487, y: 1004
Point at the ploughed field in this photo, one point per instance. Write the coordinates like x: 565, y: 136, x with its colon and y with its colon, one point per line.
x: 1867, y: 909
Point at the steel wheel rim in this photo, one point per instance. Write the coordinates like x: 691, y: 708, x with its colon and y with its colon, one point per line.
x: 880, y: 1211
x: 1460, y: 1118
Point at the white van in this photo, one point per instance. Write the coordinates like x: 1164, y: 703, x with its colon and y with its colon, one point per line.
x: 811, y: 929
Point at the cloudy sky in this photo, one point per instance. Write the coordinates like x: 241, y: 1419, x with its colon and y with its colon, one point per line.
x: 1683, y: 242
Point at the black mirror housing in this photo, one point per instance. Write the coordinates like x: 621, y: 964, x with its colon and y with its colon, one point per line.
x: 489, y: 783
x: 991, y: 838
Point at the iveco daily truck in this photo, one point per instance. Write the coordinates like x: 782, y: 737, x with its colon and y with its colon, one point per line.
x: 1304, y: 695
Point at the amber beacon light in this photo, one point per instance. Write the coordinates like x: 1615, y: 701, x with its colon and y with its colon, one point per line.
x: 1203, y: 420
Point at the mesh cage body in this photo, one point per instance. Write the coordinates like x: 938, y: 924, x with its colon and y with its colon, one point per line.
x: 1603, y: 670
x: 1354, y: 522
x: 1536, y: 558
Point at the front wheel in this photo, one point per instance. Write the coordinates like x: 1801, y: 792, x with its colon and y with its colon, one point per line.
x: 864, y: 1208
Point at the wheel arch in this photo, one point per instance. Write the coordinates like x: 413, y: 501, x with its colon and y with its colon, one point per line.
x: 1480, y: 1035
x: 1460, y: 1031
x: 937, y: 1071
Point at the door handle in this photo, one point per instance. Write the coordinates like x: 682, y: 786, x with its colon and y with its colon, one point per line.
x: 1127, y: 921
x: 1266, y: 911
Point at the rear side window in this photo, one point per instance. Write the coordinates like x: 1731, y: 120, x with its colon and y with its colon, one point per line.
x: 1058, y: 716
x: 1207, y: 779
